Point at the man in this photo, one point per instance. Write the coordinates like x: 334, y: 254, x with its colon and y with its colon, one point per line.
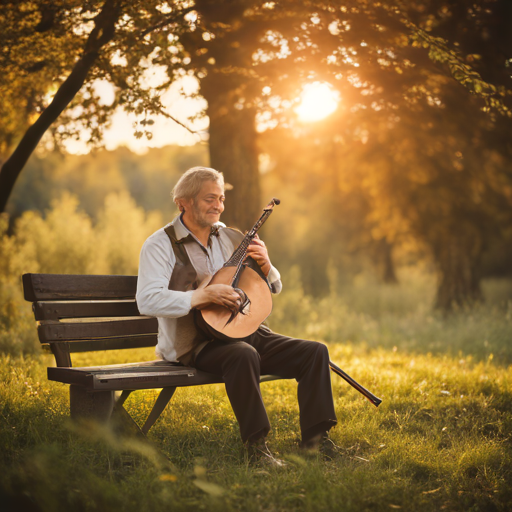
x: 173, y: 262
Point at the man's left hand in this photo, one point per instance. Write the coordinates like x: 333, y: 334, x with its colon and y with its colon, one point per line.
x: 259, y: 253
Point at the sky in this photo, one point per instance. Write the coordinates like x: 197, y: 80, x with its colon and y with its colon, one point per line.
x: 165, y: 131
x: 317, y: 101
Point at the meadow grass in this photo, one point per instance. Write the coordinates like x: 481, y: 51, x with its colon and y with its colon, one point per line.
x: 441, y: 439
x: 387, y: 316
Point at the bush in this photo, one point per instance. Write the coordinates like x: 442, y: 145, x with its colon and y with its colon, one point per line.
x: 65, y: 241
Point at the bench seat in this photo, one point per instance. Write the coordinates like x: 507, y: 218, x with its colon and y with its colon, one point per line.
x: 144, y: 375
x: 134, y: 376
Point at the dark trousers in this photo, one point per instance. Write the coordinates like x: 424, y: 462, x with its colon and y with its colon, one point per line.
x: 241, y: 363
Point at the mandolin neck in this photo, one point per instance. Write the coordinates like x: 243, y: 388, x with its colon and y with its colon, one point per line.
x: 238, y: 257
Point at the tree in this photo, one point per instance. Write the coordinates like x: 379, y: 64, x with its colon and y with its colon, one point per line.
x: 425, y: 134
x: 442, y: 158
x: 113, y: 40
x: 450, y: 186
x: 220, y: 51
x: 393, y: 64
x: 239, y: 50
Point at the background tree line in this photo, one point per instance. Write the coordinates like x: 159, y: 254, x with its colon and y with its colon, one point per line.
x: 327, y: 223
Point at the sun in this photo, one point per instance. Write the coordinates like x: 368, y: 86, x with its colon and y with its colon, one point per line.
x: 318, y: 100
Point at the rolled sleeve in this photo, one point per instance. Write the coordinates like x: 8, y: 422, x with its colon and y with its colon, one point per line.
x: 274, y: 278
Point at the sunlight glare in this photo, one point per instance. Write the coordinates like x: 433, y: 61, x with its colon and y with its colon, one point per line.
x: 318, y: 100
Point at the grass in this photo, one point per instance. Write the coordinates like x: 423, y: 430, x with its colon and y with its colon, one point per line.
x: 441, y: 440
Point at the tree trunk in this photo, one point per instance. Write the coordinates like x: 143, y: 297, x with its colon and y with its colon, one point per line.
x: 458, y: 262
x: 102, y: 33
x: 233, y: 151
x: 384, y: 261
x: 229, y: 87
x: 313, y: 271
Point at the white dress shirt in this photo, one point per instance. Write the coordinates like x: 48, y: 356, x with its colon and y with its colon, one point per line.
x: 156, y: 264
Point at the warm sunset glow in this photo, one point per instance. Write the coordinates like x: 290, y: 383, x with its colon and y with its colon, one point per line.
x: 318, y: 100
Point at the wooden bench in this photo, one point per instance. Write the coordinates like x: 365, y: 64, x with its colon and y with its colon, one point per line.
x: 88, y: 313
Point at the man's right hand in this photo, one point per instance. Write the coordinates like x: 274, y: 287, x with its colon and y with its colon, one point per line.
x: 221, y: 294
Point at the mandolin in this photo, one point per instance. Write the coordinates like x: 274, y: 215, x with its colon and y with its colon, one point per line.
x: 246, y: 277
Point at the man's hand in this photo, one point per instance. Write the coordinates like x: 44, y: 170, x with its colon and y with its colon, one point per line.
x: 259, y: 253
x: 221, y: 294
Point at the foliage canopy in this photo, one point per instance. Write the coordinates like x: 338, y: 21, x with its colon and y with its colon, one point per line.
x: 424, y: 87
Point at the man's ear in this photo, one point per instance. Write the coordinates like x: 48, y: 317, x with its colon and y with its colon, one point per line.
x: 181, y: 204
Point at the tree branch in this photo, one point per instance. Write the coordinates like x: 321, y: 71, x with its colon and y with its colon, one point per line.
x: 167, y: 21
x: 102, y: 33
x: 172, y: 118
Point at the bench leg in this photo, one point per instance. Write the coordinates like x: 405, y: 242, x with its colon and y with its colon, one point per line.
x: 161, y: 402
x: 122, y: 423
x: 95, y: 406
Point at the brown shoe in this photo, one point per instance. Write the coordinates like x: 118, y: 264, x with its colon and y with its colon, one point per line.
x: 321, y: 444
x: 260, y: 455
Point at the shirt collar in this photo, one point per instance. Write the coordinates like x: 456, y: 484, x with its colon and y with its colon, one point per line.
x: 180, y: 228
x: 183, y: 232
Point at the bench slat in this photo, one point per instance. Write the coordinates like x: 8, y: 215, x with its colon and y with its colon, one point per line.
x: 58, y: 310
x: 114, y: 377
x: 155, y: 365
x: 51, y: 332
x: 108, y: 343
x: 78, y: 287
x: 152, y: 381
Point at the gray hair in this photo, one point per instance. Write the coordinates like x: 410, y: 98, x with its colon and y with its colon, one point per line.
x: 191, y: 182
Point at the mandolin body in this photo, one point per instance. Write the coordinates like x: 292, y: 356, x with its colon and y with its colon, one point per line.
x: 214, y: 318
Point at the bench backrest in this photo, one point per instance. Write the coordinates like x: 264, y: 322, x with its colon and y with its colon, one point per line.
x: 83, y: 313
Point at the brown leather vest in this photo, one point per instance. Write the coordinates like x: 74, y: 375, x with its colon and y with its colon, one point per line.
x: 183, y: 279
